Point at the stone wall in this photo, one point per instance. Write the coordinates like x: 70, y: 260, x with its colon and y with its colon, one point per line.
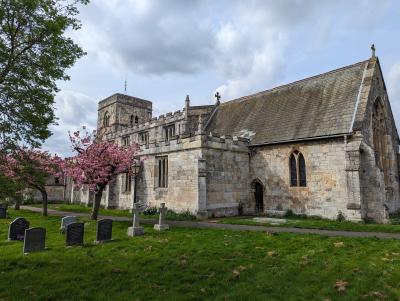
x: 326, y: 191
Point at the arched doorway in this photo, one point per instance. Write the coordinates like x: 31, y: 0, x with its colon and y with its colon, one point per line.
x: 259, y: 197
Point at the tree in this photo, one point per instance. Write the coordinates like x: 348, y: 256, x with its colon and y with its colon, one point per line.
x: 32, y: 167
x: 97, y: 163
x: 11, y: 189
x: 34, y: 54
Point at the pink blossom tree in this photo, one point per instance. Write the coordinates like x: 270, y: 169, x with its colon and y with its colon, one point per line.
x: 97, y: 163
x: 32, y: 167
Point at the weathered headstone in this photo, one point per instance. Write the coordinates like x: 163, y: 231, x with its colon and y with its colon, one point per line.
x: 3, y: 211
x: 104, y: 230
x: 74, y: 234
x: 161, y: 226
x: 34, y: 240
x: 65, y: 221
x: 17, y: 228
x: 136, y: 230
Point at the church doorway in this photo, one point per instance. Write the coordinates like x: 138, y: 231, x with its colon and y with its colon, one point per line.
x: 259, y: 197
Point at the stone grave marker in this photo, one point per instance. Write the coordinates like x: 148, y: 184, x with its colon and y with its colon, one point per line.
x: 34, y: 240
x: 17, y: 228
x: 161, y: 226
x: 65, y: 221
x: 136, y: 230
x: 104, y: 230
x: 3, y: 211
x: 74, y: 234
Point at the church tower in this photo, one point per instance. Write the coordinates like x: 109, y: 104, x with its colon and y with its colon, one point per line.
x: 120, y: 111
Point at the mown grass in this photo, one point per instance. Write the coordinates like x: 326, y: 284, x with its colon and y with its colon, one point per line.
x: 171, y: 215
x: 317, y: 223
x: 197, y: 264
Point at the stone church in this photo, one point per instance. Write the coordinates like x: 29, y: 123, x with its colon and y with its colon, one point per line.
x: 321, y: 146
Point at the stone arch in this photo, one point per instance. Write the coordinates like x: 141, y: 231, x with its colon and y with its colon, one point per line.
x: 258, y: 193
x: 106, y: 119
x: 379, y: 132
x: 297, y: 169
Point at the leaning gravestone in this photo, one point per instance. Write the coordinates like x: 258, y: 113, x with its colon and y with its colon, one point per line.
x: 17, y: 228
x: 3, y: 211
x: 104, y: 230
x: 74, y: 235
x: 65, y: 221
x: 34, y: 240
x: 161, y: 226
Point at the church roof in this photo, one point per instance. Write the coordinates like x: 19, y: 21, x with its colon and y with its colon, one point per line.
x: 318, y: 106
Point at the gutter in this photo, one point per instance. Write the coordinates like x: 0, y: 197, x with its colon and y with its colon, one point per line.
x: 303, y: 139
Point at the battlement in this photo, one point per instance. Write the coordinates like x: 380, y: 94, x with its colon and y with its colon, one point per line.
x: 125, y: 99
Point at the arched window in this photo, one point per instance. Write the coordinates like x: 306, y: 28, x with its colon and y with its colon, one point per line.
x: 379, y: 131
x: 131, y: 120
x: 297, y: 169
x: 106, y: 119
x: 136, y: 119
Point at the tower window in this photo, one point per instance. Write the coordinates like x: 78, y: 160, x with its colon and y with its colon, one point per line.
x: 131, y: 120
x: 106, y: 119
x: 136, y: 119
x: 297, y: 169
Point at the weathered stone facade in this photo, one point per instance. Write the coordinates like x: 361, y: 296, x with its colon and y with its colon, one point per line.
x: 322, y: 146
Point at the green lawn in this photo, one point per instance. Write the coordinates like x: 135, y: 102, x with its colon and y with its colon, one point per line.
x: 114, y: 212
x: 317, y: 223
x: 198, y: 264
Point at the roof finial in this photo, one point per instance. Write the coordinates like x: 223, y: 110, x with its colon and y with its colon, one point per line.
x: 217, y: 96
x: 373, y: 50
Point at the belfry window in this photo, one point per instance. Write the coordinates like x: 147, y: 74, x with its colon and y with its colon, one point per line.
x: 106, y: 119
x: 297, y: 169
x: 136, y: 119
x: 131, y: 120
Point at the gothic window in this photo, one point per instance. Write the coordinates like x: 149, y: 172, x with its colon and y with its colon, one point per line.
x: 127, y: 182
x: 169, y: 132
x: 106, y: 119
x: 297, y: 169
x: 136, y: 119
x: 162, y: 171
x: 131, y: 120
x: 379, y: 133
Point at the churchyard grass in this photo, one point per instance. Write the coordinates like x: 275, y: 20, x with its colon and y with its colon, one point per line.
x: 171, y: 215
x: 197, y: 264
x: 318, y: 223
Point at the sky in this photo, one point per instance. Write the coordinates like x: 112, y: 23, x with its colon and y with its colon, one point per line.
x: 166, y: 49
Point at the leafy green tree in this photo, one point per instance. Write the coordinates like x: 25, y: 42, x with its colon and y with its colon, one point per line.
x: 34, y: 54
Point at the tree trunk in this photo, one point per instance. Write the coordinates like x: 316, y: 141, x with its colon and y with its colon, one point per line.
x: 96, y: 204
x: 44, y: 199
x: 17, y: 201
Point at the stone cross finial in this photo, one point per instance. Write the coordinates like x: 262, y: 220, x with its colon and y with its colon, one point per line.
x: 217, y: 96
x: 161, y: 226
x: 373, y: 50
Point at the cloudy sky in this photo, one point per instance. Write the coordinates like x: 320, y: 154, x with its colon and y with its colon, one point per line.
x: 169, y: 48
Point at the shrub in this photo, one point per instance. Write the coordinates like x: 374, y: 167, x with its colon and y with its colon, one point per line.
x: 340, y: 217
x: 289, y: 213
x: 150, y: 211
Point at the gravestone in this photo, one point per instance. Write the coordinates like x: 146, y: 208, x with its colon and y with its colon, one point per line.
x: 136, y: 230
x: 17, y: 228
x: 161, y: 226
x: 65, y: 221
x: 74, y: 234
x: 34, y: 240
x: 3, y: 211
x: 104, y: 230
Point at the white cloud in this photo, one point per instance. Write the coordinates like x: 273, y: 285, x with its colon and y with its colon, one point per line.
x: 74, y: 110
x: 393, y: 86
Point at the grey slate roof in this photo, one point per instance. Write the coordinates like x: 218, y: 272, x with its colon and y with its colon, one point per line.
x: 318, y: 106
